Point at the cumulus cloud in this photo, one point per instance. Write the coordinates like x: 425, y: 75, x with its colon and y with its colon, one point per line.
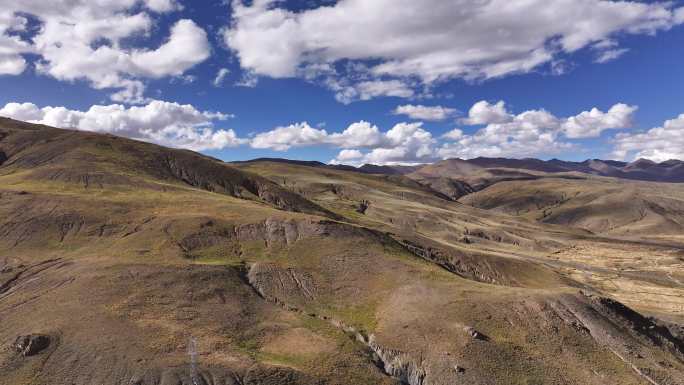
x: 429, y: 113
x: 165, y: 123
x: 12, y: 64
x: 84, y: 40
x: 483, y: 112
x: 505, y: 134
x: 454, y: 134
x: 11, y: 46
x: 163, y: 6
x: 408, y: 143
x: 358, y: 41
x: 403, y: 143
x: 359, y: 134
x: 187, y: 46
x: 348, y: 156
x: 286, y: 137
x: 530, y: 133
x: 590, y: 124
x: 657, y: 144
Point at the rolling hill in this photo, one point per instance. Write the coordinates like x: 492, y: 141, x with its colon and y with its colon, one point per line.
x: 124, y: 262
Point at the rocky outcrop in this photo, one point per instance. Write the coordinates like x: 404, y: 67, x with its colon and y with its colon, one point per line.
x: 22, y: 274
x: 363, y: 207
x: 271, y: 281
x: 398, y: 364
x: 639, y: 326
x: 475, y: 334
x: 273, y: 232
x: 461, y: 265
x: 274, y: 282
x: 31, y: 344
x: 648, y: 348
x: 490, y: 236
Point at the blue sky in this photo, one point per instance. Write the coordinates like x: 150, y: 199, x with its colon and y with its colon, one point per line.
x: 322, y: 81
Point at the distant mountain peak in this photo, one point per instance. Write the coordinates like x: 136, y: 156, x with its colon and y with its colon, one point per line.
x: 643, y: 162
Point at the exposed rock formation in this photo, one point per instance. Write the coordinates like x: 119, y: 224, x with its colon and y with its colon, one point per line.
x: 474, y: 333
x: 31, y: 344
x: 633, y: 338
x: 269, y: 281
x: 273, y: 282
x: 398, y: 364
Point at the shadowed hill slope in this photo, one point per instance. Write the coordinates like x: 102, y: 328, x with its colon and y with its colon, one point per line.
x: 96, y: 160
x: 606, y: 206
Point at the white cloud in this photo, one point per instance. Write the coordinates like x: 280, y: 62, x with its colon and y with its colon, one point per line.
x: 360, y: 134
x: 12, y: 65
x: 429, y: 41
x: 346, y: 156
x: 187, y: 46
x: 657, y: 144
x: 610, y: 55
x: 248, y: 80
x: 420, y: 112
x: 403, y: 143
x: 169, y: 124
x: 294, y: 135
x: 11, y: 46
x: 531, y: 133
x: 221, y: 77
x: 409, y: 143
x: 590, y: 124
x: 22, y: 111
x: 371, y: 89
x: 163, y: 6
x: 346, y: 92
x: 454, y: 134
x: 483, y: 112
x: 83, y: 40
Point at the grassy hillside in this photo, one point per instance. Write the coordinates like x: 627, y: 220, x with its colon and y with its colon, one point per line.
x: 601, y: 205
x: 147, y: 265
